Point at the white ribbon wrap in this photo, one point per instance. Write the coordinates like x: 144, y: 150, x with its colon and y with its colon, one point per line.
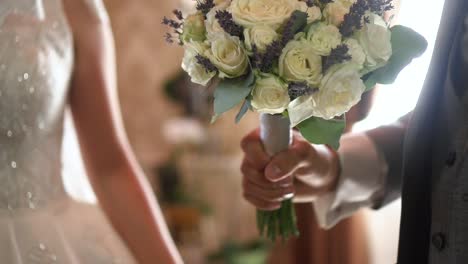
x: 275, y: 132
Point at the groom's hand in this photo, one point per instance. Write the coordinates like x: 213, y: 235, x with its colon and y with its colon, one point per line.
x: 303, y: 171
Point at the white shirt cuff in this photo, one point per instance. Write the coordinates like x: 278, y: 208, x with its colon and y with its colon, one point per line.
x: 361, y: 183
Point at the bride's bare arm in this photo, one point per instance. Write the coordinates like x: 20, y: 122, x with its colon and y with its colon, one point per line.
x: 116, y: 177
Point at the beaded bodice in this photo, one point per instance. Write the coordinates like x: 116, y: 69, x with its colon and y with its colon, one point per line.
x: 36, y: 55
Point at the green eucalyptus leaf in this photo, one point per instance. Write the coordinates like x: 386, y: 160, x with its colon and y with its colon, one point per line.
x: 407, y: 44
x: 245, y: 107
x: 300, y: 22
x: 370, y: 81
x: 320, y: 131
x: 230, y: 92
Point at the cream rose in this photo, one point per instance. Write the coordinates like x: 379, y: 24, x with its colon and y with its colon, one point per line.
x: 224, y: 3
x: 194, y: 28
x: 323, y: 38
x: 313, y: 13
x: 341, y: 88
x: 260, y: 36
x: 270, y: 95
x: 356, y: 52
x: 375, y: 39
x: 249, y: 13
x: 300, y: 62
x: 334, y: 12
x: 228, y: 55
x: 197, y: 72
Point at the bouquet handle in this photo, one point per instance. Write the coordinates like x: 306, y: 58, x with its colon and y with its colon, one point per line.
x: 276, y: 136
x: 275, y: 132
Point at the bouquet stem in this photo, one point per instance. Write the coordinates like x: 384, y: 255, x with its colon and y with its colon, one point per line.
x: 276, y: 136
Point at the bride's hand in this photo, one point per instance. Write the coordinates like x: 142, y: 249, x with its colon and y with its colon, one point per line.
x: 304, y: 170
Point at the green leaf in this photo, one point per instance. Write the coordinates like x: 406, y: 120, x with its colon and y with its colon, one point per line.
x: 407, y: 44
x: 245, y: 107
x: 300, y: 22
x: 230, y: 92
x: 320, y: 131
x: 370, y: 81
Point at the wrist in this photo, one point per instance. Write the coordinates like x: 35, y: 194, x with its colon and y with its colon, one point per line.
x: 332, y: 168
x: 320, y: 177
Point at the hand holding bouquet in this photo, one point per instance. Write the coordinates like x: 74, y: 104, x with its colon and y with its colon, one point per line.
x: 300, y: 64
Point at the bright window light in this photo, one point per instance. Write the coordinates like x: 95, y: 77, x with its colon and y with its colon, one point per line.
x: 395, y: 100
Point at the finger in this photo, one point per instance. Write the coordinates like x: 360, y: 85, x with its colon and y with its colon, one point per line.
x: 262, y: 205
x: 251, y: 174
x: 300, y: 145
x: 267, y: 194
x: 282, y: 166
x: 300, y: 154
x: 253, y: 149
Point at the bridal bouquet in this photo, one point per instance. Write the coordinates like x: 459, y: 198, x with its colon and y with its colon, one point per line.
x: 300, y: 64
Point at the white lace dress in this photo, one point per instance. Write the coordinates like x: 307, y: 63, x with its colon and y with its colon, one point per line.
x: 39, y: 222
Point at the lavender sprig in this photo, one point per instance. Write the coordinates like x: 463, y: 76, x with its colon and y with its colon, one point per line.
x: 175, y: 25
x: 380, y: 6
x: 289, y: 32
x: 265, y: 61
x: 353, y: 20
x: 227, y: 23
x: 310, y: 3
x: 205, y: 6
x: 172, y: 23
x: 206, y: 63
x: 324, y: 2
x: 298, y: 89
x: 178, y: 14
x: 337, y: 55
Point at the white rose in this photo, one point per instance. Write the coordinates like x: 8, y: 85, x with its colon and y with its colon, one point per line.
x: 334, y: 12
x: 194, y: 28
x: 341, y: 88
x: 249, y: 13
x: 260, y: 36
x: 270, y: 95
x: 197, y: 72
x: 375, y: 39
x: 356, y: 52
x: 228, y: 55
x: 323, y: 38
x: 300, y: 62
x: 313, y: 13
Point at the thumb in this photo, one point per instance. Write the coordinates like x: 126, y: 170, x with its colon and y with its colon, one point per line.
x: 282, y: 165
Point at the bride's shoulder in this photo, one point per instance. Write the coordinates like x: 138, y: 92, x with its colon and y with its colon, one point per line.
x: 86, y: 10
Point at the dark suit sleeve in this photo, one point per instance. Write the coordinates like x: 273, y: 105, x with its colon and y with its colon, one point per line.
x: 389, y: 141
